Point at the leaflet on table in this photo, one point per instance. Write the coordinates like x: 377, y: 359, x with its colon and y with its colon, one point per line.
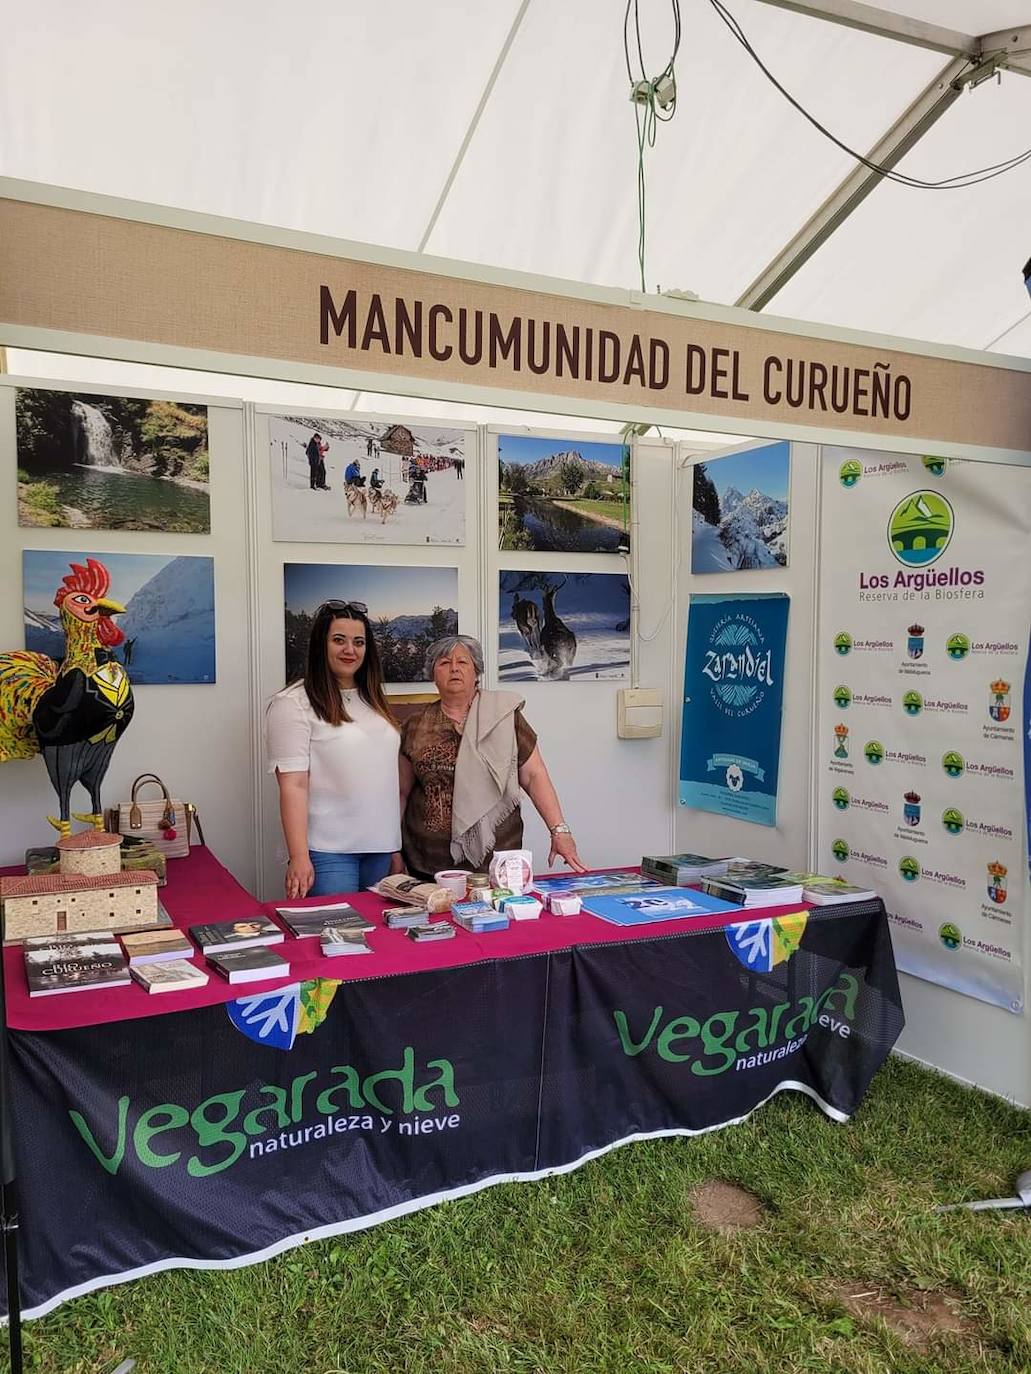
x: 658, y: 904
x: 621, y: 880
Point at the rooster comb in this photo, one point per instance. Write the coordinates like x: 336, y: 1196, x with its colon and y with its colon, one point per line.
x: 94, y: 579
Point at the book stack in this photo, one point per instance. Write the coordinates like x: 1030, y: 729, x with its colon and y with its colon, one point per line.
x: 404, y: 917
x: 834, y: 891
x: 773, y: 889
x: 337, y: 940
x: 168, y: 975
x: 753, y: 868
x: 426, y: 934
x: 83, y: 962
x: 222, y: 937
x: 596, y: 884
x: 313, y: 920
x: 682, y: 870
x: 478, y: 917
x: 253, y: 965
x: 155, y: 946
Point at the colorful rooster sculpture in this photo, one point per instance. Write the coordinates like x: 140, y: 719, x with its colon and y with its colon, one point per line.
x: 73, y: 713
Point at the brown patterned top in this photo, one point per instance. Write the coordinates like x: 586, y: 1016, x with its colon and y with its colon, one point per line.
x: 429, y: 741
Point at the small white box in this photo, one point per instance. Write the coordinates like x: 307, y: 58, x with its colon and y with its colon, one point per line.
x: 638, y: 713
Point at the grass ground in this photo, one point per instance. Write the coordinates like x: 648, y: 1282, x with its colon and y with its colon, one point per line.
x: 610, y: 1269
x: 607, y: 512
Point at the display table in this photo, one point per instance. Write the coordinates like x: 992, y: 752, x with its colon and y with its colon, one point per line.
x: 220, y: 1127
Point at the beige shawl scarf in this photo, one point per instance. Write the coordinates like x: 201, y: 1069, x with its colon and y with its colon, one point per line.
x: 486, y: 787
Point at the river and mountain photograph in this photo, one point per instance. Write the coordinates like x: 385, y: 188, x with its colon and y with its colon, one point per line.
x: 168, y: 624
x: 111, y: 463
x: 563, y: 627
x: 408, y: 608
x: 563, y: 495
x: 740, y: 515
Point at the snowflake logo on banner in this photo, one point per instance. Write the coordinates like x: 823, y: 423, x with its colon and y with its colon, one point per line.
x: 762, y: 945
x: 277, y: 1018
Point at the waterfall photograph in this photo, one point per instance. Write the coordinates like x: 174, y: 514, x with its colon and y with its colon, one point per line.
x: 111, y: 463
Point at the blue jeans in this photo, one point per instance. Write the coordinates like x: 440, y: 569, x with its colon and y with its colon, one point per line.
x: 335, y: 873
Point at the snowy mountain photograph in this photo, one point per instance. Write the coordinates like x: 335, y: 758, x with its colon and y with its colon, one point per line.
x: 740, y: 511
x: 169, y: 619
x: 341, y: 480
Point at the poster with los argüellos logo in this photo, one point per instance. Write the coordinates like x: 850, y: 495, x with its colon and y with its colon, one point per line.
x: 923, y: 647
x: 733, y: 690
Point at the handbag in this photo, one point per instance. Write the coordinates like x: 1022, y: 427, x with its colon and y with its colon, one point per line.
x: 165, y: 821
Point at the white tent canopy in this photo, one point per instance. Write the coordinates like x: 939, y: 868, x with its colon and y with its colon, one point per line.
x: 502, y: 133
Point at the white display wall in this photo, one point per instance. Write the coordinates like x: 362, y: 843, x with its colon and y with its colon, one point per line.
x: 197, y: 737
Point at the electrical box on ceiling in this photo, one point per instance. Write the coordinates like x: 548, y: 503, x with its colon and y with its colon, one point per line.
x: 638, y: 713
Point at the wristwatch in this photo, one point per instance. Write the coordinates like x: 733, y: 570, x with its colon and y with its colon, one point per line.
x: 560, y: 829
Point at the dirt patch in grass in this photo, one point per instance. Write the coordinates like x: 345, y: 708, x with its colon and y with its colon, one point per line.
x: 915, y: 1317
x: 723, y: 1206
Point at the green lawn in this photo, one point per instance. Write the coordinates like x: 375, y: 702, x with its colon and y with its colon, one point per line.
x: 606, y: 1269
x: 611, y: 510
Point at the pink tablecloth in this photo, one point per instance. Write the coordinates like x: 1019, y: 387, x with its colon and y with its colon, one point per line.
x: 201, y: 889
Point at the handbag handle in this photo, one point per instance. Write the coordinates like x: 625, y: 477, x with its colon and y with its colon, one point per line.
x: 135, y: 815
x: 193, y: 818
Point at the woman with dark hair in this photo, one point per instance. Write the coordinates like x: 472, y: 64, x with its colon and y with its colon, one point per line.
x: 332, y: 744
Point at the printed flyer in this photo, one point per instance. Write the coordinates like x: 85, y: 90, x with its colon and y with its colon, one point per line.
x: 733, y: 690
x: 923, y: 653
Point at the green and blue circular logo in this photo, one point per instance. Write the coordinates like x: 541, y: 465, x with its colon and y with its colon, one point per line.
x: 912, y: 703
x: 873, y: 751
x: 957, y: 646
x: 840, y: 850
x: 920, y: 528
x: 950, y: 935
x: 953, y: 821
x: 842, y: 643
x: 953, y: 764
x: 840, y: 798
x: 934, y: 464
x: 850, y: 472
x: 909, y: 868
x: 842, y: 697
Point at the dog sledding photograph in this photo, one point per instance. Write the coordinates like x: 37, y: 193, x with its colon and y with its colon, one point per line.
x: 338, y: 480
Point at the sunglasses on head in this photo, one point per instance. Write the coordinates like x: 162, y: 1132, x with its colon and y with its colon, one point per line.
x: 343, y: 607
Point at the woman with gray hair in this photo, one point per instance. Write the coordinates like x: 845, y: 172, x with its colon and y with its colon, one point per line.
x: 463, y: 762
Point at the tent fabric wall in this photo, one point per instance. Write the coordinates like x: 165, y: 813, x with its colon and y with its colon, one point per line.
x: 361, y: 122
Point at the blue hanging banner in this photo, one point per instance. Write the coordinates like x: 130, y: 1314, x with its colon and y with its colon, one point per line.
x: 733, y: 690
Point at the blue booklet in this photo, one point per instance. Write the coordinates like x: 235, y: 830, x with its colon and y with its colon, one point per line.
x: 656, y: 904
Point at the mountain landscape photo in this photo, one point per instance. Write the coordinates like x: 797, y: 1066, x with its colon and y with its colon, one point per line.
x: 169, y: 620
x: 740, y: 511
x: 563, y: 495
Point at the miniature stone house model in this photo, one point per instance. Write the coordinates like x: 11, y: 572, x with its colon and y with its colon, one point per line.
x: 90, y: 854
x: 89, y: 893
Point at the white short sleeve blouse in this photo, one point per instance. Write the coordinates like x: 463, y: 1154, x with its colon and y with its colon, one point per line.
x: 353, y: 802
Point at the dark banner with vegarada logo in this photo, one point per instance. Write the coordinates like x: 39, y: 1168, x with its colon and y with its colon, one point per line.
x: 228, y: 1133
x: 681, y: 1035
